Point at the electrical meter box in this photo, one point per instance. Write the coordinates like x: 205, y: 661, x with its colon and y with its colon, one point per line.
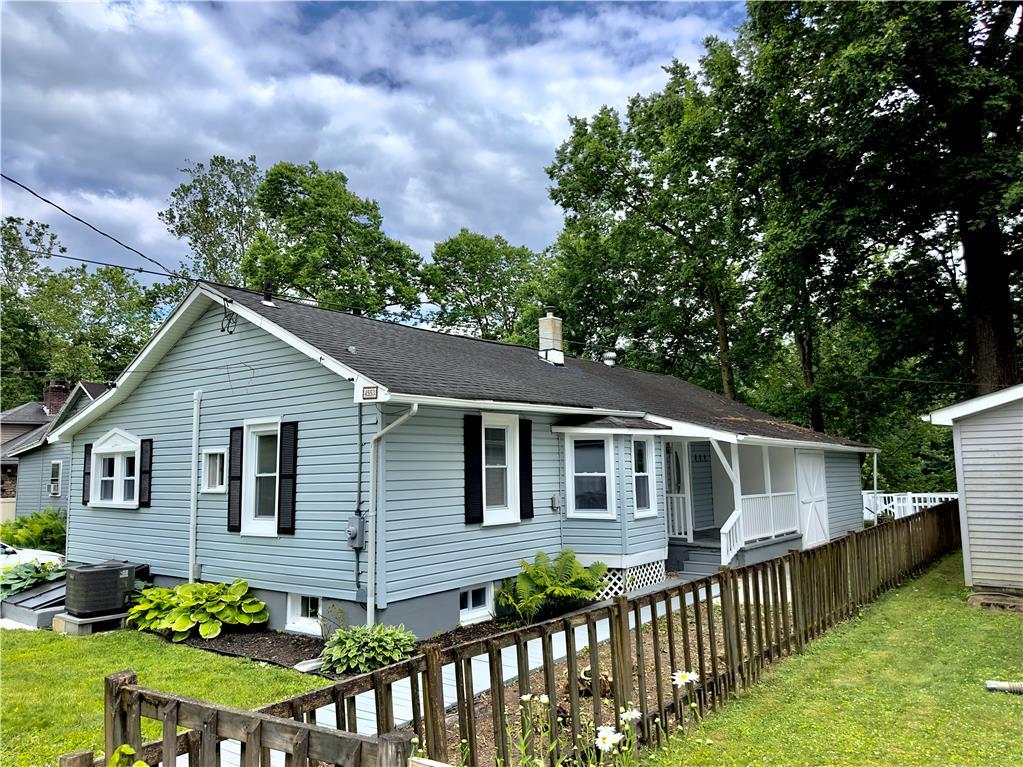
x: 356, y: 531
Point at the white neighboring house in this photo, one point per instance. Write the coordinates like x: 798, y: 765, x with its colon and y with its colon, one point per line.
x: 988, y: 436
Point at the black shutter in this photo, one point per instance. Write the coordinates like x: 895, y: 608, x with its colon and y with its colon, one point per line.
x: 287, y: 463
x: 234, y: 480
x: 87, y: 475
x: 472, y: 438
x: 525, y: 469
x: 145, y: 472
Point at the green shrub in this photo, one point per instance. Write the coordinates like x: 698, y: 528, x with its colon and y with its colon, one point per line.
x: 20, y: 577
x: 549, y: 587
x: 360, y: 649
x: 206, y: 607
x: 46, y: 530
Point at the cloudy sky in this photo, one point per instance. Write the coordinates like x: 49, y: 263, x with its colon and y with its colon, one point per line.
x: 444, y: 113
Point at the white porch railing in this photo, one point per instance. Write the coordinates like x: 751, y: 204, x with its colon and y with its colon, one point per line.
x: 901, y: 505
x: 732, y: 537
x: 678, y: 517
x: 768, y: 515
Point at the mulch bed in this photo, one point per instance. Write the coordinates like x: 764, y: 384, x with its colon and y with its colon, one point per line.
x: 262, y: 644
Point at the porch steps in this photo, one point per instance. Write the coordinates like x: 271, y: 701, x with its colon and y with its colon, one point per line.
x: 699, y: 563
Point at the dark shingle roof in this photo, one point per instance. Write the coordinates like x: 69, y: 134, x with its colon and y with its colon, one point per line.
x: 29, y: 412
x: 94, y: 389
x: 611, y: 422
x: 411, y: 360
x: 23, y: 441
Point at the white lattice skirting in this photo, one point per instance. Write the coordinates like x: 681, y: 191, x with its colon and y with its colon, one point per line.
x: 620, y: 580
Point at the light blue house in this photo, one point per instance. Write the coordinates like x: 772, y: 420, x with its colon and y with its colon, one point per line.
x: 397, y: 474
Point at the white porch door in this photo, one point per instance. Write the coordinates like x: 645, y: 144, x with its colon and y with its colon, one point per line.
x: 680, y: 512
x: 813, y: 497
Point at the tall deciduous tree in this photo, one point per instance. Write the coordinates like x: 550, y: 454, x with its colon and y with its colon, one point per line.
x: 69, y: 324
x: 660, y: 181
x: 329, y: 243
x: 482, y: 284
x: 215, y: 212
x: 910, y: 116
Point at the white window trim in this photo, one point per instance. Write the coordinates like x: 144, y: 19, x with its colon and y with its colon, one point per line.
x: 205, y: 486
x: 609, y: 473
x: 116, y: 443
x: 650, y: 474
x: 477, y: 614
x: 302, y: 624
x: 59, y: 481
x: 264, y: 527
x: 509, y: 514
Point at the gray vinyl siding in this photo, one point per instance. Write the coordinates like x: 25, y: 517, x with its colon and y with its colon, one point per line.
x: 646, y: 533
x: 703, y: 484
x: 245, y: 375
x: 990, y: 452
x: 34, y: 479
x: 429, y: 547
x: 845, y: 498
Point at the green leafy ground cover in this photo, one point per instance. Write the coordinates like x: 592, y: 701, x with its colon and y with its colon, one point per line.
x: 903, y: 684
x: 52, y: 686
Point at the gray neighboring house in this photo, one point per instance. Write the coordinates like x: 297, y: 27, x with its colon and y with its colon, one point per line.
x: 987, y: 433
x: 395, y: 474
x: 44, y: 469
x: 20, y: 426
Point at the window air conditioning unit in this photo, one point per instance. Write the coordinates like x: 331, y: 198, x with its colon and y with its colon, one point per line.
x: 101, y: 589
x: 55, y: 488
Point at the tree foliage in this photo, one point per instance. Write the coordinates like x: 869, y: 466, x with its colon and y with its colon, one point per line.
x: 330, y: 245
x: 483, y: 285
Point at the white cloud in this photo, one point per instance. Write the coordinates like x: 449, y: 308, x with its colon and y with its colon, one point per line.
x: 446, y: 115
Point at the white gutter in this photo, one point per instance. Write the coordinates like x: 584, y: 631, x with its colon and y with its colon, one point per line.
x: 193, y: 508
x: 518, y: 407
x: 371, y: 533
x: 804, y: 444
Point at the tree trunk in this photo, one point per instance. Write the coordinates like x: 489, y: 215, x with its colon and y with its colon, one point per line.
x: 804, y: 342
x: 724, y: 347
x: 988, y: 305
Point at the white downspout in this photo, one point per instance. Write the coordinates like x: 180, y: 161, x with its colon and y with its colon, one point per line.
x: 193, y: 508
x: 371, y: 533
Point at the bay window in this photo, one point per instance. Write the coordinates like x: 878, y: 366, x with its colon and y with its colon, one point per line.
x: 642, y: 474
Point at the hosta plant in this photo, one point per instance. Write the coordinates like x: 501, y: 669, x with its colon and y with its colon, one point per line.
x: 548, y: 587
x: 20, y: 577
x: 191, y: 607
x: 359, y: 649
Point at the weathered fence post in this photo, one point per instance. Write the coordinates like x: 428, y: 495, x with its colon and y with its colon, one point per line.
x: 798, y: 611
x: 394, y: 749
x: 622, y: 670
x: 115, y: 714
x: 436, y: 734
x: 77, y: 759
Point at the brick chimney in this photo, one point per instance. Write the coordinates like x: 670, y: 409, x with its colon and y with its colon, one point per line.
x: 551, y: 344
x: 55, y: 394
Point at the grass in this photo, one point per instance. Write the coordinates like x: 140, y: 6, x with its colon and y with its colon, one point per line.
x: 902, y: 684
x: 52, y: 686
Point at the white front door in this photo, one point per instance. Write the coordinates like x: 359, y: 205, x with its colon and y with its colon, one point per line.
x: 680, y: 512
x: 813, y: 497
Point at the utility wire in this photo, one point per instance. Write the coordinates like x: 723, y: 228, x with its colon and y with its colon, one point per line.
x: 82, y: 221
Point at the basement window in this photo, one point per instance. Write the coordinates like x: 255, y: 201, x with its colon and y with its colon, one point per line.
x: 475, y: 604
x: 303, y: 614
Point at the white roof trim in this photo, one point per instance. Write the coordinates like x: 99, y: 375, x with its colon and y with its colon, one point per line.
x: 606, y: 430
x: 201, y: 298
x: 691, y: 430
x: 946, y: 415
x: 520, y: 407
x: 804, y: 444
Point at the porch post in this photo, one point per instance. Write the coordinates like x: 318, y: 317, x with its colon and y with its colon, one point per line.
x: 736, y: 479
x: 690, y: 515
x: 875, y: 486
x: 766, y: 458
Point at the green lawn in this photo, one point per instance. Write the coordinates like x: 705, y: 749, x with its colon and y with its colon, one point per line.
x: 901, y: 685
x: 52, y: 686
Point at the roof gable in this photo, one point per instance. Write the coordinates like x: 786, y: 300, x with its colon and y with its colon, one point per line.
x: 946, y: 415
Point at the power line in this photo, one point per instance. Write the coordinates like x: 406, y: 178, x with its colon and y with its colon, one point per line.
x: 82, y: 220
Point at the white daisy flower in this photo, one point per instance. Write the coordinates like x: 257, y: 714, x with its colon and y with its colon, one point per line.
x: 544, y: 699
x: 632, y: 715
x: 607, y: 738
x: 682, y: 678
x: 526, y: 698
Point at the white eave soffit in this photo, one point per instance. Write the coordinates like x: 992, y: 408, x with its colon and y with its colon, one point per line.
x: 946, y: 415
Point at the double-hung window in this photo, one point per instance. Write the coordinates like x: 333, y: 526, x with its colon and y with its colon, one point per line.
x: 115, y: 471
x: 56, y: 468
x: 500, y: 469
x: 642, y: 477
x: 259, y: 485
x: 214, y: 470
x: 590, y: 468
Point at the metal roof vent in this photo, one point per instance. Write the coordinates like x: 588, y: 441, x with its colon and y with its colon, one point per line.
x: 268, y: 295
x: 609, y: 358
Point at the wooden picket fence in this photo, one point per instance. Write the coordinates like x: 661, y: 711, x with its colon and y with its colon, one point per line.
x: 726, y: 628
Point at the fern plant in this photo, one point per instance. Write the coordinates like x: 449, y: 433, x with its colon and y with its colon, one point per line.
x: 549, y: 587
x: 46, y: 530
